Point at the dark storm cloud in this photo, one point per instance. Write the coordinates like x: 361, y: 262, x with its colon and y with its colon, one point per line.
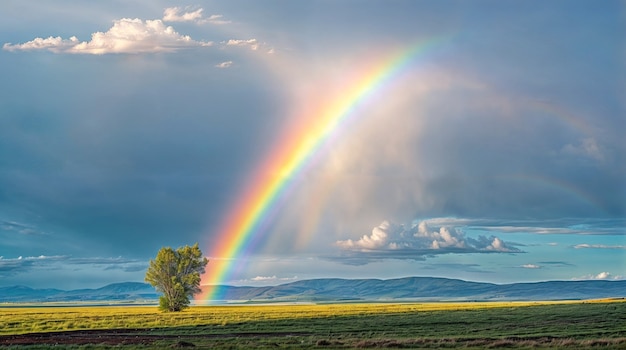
x: 513, y: 128
x: 510, y: 165
x: 147, y: 158
x: 490, y: 134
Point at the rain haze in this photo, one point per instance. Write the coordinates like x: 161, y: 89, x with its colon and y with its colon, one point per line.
x: 480, y: 140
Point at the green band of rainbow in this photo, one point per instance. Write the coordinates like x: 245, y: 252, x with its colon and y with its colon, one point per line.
x: 249, y: 215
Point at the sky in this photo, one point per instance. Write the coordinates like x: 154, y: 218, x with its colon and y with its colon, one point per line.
x: 494, y: 153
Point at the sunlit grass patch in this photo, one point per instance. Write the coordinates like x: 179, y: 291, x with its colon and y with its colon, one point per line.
x: 36, y: 319
x: 428, y: 325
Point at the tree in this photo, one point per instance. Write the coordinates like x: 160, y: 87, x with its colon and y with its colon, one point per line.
x: 176, y: 274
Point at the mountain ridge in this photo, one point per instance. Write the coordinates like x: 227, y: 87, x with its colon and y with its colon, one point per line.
x: 123, y: 291
x: 338, y: 289
x: 424, y: 288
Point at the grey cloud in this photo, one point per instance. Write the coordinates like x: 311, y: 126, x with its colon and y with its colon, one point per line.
x: 133, y: 267
x: 23, y: 265
x: 20, y: 228
x: 556, y: 263
x: 121, y: 154
x: 358, y: 258
x: 490, y: 154
x: 101, y: 261
x: 577, y: 226
x: 598, y: 246
x: 149, y: 157
x: 10, y: 267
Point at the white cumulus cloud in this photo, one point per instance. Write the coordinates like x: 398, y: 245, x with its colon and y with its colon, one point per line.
x: 54, y: 44
x: 378, y: 239
x: 215, y: 19
x: 389, y: 240
x: 125, y: 36
x: 176, y: 14
x: 604, y: 275
x: 252, y: 43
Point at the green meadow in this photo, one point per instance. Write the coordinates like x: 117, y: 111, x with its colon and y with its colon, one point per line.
x: 475, y: 325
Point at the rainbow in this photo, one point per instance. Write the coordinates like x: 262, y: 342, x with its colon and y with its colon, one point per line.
x: 253, y: 212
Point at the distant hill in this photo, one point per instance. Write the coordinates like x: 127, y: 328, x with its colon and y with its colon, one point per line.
x: 127, y: 291
x: 424, y: 288
x: 335, y: 289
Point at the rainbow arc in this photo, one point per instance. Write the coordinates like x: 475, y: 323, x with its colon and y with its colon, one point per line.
x: 249, y: 217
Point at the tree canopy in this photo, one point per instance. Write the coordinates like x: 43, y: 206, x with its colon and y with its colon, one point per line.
x: 176, y: 274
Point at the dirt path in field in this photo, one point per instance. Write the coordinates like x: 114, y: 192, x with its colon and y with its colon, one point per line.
x: 82, y: 337
x: 117, y: 337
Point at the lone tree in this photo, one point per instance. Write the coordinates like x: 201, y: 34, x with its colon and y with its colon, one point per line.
x: 176, y: 274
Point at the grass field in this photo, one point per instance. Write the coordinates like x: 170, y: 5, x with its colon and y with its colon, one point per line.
x: 412, y: 325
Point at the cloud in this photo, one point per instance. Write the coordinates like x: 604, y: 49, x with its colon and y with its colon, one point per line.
x: 265, y: 280
x: 598, y: 246
x: 568, y: 226
x: 272, y: 278
x: 587, y: 147
x: 10, y: 267
x: 54, y: 44
x: 393, y: 241
x: 556, y: 263
x: 215, y: 19
x: 378, y: 239
x: 20, y: 228
x: 178, y: 14
x: 252, y: 43
x: 601, y: 276
x: 175, y: 14
x: 127, y: 36
x: 133, y: 267
x: 225, y: 64
x: 531, y: 266
x: 21, y: 265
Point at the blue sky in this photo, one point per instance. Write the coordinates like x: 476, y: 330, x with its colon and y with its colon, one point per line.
x: 126, y: 126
